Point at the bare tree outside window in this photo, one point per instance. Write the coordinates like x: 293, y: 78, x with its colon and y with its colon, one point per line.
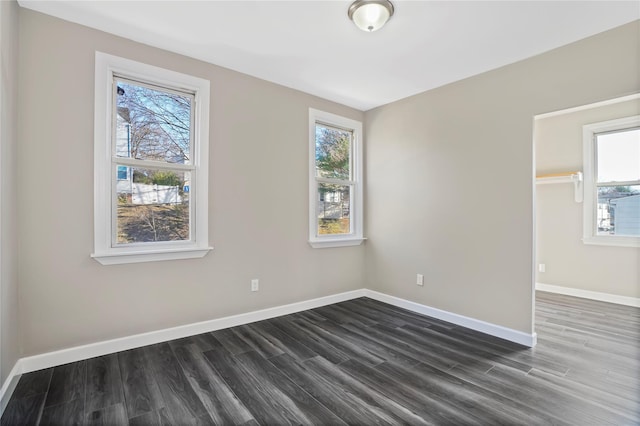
x: 152, y: 125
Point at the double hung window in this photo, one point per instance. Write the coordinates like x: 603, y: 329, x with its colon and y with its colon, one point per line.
x: 151, y: 139
x: 335, y: 180
x: 612, y: 182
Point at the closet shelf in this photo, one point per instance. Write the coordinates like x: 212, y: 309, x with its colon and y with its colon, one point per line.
x: 566, y: 177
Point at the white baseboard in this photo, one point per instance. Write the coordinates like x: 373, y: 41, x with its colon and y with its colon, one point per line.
x: 587, y: 294
x: 10, y: 385
x: 474, y: 324
x: 65, y: 356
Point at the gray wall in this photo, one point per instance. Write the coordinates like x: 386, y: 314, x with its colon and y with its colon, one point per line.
x: 569, y: 262
x: 8, y: 237
x: 258, y: 201
x: 449, y: 182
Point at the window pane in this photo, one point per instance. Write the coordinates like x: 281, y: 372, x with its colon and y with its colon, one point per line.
x: 619, y: 156
x: 152, y: 124
x: 619, y: 210
x: 333, y: 209
x: 333, y: 152
x: 153, y: 206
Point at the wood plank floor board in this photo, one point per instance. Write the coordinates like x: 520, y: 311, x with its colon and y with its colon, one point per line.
x: 159, y: 417
x: 519, y: 358
x: 568, y: 305
x: 231, y: 341
x: 433, y: 409
x: 606, y: 406
x: 375, y: 315
x: 476, y: 401
x: 240, y: 382
x: 520, y: 387
x: 382, y: 352
x: 560, y: 332
x: 527, y: 358
x: 348, y: 406
x: 458, y: 349
x: 24, y: 411
x: 285, y: 342
x: 221, y: 403
x: 585, y: 359
x: 628, y: 386
x: 628, y: 349
x: 411, y: 349
x: 399, y: 414
x: 410, y: 316
x: 338, y: 342
x: 34, y: 383
x: 104, y: 385
x: 177, y: 394
x: 611, y: 329
x: 303, y: 408
x: 488, y: 347
x: 266, y: 401
x: 308, y: 315
x: 112, y: 415
x: 340, y: 315
x: 312, y: 341
x: 141, y: 391
x: 434, y: 351
x: 67, y: 383
x: 163, y: 417
x: 257, y: 341
x: 204, y: 342
x: 359, y: 362
x: 70, y: 413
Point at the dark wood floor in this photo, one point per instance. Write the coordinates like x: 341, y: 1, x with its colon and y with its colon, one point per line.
x: 357, y: 362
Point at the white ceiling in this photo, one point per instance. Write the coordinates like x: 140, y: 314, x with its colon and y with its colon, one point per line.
x: 312, y: 46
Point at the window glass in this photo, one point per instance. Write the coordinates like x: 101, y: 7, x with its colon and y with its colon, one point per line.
x: 618, y: 182
x: 334, y: 205
x: 618, y: 156
x: 333, y: 152
x: 152, y: 124
x: 153, y: 206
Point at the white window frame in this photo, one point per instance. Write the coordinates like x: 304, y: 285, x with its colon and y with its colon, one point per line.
x: 105, y: 251
x: 590, y: 131
x: 355, y: 237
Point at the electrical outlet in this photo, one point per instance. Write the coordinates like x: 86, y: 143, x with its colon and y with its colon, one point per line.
x: 542, y: 267
x: 255, y: 285
x: 420, y: 279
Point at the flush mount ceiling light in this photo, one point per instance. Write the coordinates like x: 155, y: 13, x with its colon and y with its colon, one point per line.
x: 370, y: 15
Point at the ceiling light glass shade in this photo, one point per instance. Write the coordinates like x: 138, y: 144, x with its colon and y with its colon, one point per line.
x: 370, y: 15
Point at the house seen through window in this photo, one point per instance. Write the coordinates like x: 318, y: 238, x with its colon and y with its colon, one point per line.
x: 618, y: 182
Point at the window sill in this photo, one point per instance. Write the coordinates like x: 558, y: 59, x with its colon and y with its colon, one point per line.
x: 341, y: 242
x: 150, y: 255
x: 612, y: 241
